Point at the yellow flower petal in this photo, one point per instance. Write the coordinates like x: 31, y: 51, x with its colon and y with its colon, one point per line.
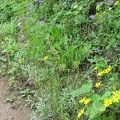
x: 86, y: 101
x: 46, y: 57
x: 98, y: 84
x: 116, y: 2
x: 82, y: 100
x: 116, y: 96
x: 96, y: 68
x: 105, y: 71
x: 80, y: 113
x: 21, y: 60
x: 100, y: 73
x: 108, y: 102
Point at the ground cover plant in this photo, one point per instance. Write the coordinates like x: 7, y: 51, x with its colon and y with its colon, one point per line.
x: 64, y: 56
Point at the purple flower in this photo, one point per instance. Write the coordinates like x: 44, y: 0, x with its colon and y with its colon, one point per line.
x: 19, y: 25
x: 29, y: 6
x: 41, y: 23
x: 22, y: 37
x: 40, y: 1
x: 99, y: 4
x: 110, y: 2
x: 23, y: 19
x: 109, y: 16
x: 97, y: 51
x: 91, y: 17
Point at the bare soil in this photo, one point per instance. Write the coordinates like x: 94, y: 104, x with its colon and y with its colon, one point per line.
x: 11, y: 111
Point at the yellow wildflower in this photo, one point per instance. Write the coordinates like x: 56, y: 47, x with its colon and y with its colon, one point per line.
x: 116, y: 96
x: 85, y: 101
x: 96, y: 68
x: 82, y: 100
x: 107, y: 102
x: 80, y: 113
x: 98, y: 84
x: 21, y: 60
x: 46, y: 57
x: 100, y: 73
x: 107, y: 70
x: 116, y: 2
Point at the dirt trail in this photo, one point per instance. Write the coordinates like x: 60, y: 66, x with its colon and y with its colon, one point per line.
x: 11, y: 111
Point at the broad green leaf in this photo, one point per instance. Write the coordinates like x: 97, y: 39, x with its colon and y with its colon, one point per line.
x: 117, y: 103
x: 91, y: 112
x: 85, y: 88
x: 95, y: 110
x: 107, y: 94
x: 99, y: 106
x: 94, y: 97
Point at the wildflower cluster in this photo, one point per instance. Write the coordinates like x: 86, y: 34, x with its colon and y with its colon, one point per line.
x: 85, y: 101
x: 64, y: 40
x: 115, y: 98
x: 98, y: 84
x: 105, y: 71
x: 80, y: 113
x: 100, y: 4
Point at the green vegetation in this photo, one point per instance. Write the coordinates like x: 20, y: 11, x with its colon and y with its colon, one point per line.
x: 64, y: 56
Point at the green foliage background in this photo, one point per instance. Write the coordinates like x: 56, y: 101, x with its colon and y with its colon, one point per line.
x: 63, y: 31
